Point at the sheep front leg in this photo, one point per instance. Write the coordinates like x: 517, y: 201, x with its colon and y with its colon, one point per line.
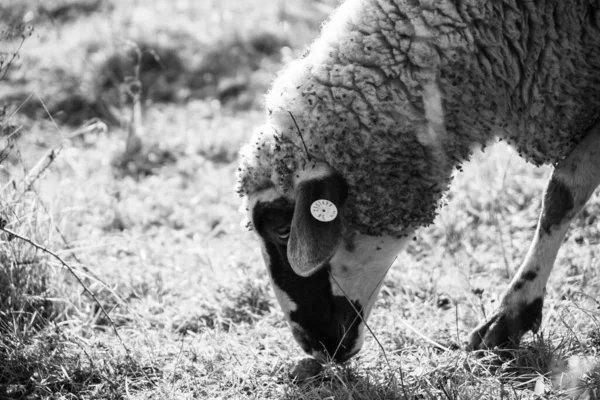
x: 571, y: 185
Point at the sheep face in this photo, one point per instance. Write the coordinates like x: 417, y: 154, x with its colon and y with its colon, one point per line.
x: 326, y: 275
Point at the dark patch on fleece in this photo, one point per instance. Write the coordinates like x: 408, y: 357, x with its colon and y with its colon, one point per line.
x: 558, y: 202
x: 531, y: 315
x: 528, y: 276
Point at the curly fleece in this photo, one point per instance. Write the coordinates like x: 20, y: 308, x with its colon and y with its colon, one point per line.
x: 395, y: 93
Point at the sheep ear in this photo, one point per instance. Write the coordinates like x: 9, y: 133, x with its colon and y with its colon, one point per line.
x: 313, y: 242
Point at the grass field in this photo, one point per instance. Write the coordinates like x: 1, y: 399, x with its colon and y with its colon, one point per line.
x: 134, y: 280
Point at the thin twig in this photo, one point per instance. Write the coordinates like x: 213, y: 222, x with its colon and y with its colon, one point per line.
x: 359, y: 314
x: 300, y: 133
x: 51, y: 119
x: 20, y: 105
x: 16, y: 130
x: 94, y: 126
x: 496, y: 218
x: 561, y: 319
x: 456, y: 323
x: 37, y: 170
x: 73, y: 254
x: 502, y: 249
x: 431, y: 341
x: 14, y: 56
x: 134, y: 143
x: 43, y: 164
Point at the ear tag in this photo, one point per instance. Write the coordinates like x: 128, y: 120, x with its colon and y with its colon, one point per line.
x: 323, y: 210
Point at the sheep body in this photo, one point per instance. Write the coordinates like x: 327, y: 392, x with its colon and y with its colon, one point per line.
x: 394, y: 94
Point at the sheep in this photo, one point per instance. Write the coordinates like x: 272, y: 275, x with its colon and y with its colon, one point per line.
x: 386, y: 104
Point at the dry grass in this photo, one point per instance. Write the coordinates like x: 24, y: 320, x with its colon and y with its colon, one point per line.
x: 185, y: 286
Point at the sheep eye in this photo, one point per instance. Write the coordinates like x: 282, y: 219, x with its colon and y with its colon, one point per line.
x: 282, y: 232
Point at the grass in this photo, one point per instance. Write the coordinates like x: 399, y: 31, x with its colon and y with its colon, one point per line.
x: 184, y: 285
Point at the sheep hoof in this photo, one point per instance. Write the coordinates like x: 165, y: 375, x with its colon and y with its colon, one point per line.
x: 506, y: 326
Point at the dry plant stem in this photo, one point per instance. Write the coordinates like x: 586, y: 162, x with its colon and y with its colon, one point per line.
x: 21, y: 105
x: 134, y: 143
x: 68, y: 247
x: 562, y: 320
x: 96, y: 126
x: 456, y: 322
x: 367, y: 325
x: 300, y: 134
x: 14, y: 132
x: 365, y: 322
x: 501, y: 241
x: 496, y: 218
x: 37, y: 171
x: 49, y: 116
x: 46, y: 160
x: 358, y: 315
x: 136, y: 129
x: 13, y: 57
x: 422, y: 336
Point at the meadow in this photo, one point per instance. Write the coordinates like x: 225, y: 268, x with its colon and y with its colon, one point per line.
x: 127, y: 275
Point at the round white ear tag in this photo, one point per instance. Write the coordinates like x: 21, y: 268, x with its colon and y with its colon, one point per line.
x: 323, y: 210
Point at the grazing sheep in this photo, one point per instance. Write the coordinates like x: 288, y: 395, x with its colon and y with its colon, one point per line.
x: 387, y: 102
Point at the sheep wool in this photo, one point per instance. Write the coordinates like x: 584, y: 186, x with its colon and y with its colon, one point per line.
x: 394, y: 94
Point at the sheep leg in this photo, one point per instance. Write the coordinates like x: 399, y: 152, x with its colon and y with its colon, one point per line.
x: 571, y: 185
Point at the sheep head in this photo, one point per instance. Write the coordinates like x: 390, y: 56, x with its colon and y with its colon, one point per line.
x: 325, y: 273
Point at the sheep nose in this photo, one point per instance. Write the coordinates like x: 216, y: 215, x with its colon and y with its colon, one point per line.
x: 325, y: 349
x: 329, y: 341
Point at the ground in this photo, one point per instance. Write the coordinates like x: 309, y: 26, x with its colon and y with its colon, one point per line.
x: 157, y: 243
